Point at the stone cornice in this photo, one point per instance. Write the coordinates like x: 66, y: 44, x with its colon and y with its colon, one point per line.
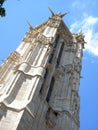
x: 29, y: 70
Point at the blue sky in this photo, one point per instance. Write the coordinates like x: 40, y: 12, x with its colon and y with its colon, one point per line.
x: 83, y: 16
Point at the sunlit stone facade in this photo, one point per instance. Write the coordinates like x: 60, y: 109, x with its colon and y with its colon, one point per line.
x: 39, y: 81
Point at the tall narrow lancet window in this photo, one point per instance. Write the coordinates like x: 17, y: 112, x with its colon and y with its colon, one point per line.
x: 56, y: 41
x: 54, y: 47
x: 60, y: 54
x: 50, y: 89
x: 45, y: 76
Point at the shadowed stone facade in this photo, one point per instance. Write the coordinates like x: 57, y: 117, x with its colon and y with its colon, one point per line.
x: 39, y: 81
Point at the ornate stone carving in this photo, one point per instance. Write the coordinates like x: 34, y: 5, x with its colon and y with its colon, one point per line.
x: 33, y: 33
x: 29, y: 36
x: 70, y: 48
x: 62, y: 70
x: 68, y: 113
x: 56, y: 19
x: 77, y: 68
x: 68, y: 68
x: 77, y: 65
x: 80, y: 38
x: 59, y: 73
x: 44, y: 40
x: 53, y: 23
x: 75, y: 106
x: 14, y: 56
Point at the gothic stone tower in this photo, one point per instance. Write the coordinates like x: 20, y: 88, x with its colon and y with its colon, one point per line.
x: 39, y: 81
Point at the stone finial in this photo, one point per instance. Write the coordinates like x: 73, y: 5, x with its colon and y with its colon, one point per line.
x: 59, y: 14
x: 81, y: 34
x: 62, y: 15
x: 30, y: 26
x: 52, y: 12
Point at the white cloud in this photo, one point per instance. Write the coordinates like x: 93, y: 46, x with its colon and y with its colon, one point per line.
x: 91, y: 37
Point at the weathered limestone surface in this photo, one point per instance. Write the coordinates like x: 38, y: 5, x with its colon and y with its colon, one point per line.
x: 39, y: 81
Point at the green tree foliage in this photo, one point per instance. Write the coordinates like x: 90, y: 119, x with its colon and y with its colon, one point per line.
x: 2, y: 10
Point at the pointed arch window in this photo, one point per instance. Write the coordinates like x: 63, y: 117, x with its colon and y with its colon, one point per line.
x: 45, y: 76
x: 60, y: 54
x: 55, y: 45
x: 50, y: 89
